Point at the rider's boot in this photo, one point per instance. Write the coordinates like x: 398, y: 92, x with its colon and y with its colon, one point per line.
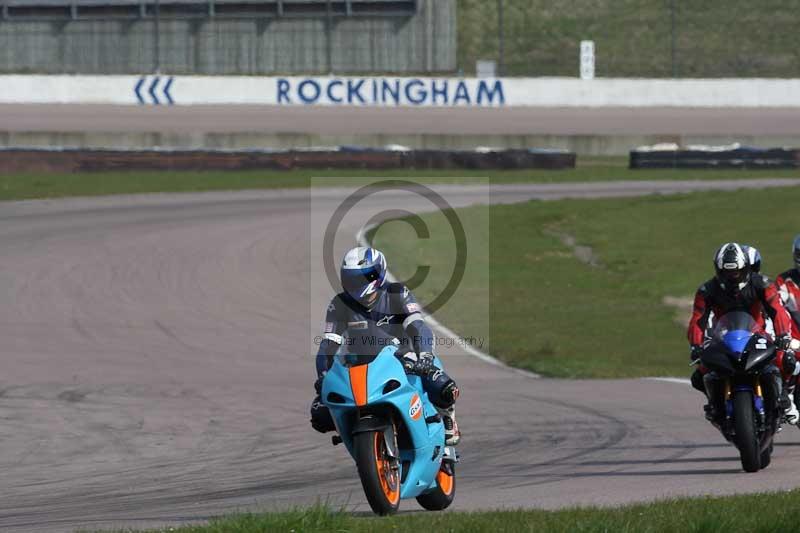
x: 790, y: 369
x: 698, y: 383
x: 790, y: 411
x: 452, y: 435
x: 715, y: 408
x: 443, y: 393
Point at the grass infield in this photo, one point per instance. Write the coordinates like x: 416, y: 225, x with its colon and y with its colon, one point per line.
x: 27, y: 186
x: 760, y: 513
x: 604, y: 310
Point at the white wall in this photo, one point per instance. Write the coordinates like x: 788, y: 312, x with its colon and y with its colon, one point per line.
x: 546, y: 92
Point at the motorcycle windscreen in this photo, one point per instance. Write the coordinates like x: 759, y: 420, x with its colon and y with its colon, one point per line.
x: 362, y: 346
x: 737, y: 340
x: 734, y: 330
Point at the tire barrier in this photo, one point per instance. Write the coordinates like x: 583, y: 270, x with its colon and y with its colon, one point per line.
x: 16, y: 160
x: 733, y: 156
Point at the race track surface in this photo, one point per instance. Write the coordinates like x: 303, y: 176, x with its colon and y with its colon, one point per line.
x: 403, y: 120
x: 157, y: 370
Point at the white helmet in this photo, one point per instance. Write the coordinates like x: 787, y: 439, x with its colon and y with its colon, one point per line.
x: 732, y: 266
x: 363, y: 272
x: 753, y: 257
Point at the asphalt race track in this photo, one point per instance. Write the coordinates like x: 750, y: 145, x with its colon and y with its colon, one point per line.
x: 401, y: 120
x: 156, y: 369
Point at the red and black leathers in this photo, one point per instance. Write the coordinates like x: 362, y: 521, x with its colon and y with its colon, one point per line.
x: 760, y: 298
x: 788, y: 285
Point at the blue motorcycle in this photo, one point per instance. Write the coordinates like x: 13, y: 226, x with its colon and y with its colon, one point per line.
x: 743, y: 387
x: 389, y: 426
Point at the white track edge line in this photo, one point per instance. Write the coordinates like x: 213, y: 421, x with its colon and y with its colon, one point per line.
x: 682, y: 381
x: 441, y: 328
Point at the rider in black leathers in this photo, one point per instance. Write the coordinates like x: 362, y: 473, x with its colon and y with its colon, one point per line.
x: 368, y: 301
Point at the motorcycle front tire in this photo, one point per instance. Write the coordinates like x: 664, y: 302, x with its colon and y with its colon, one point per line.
x: 746, y: 438
x: 380, y: 480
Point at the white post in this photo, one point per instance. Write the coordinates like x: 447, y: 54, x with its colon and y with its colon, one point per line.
x: 485, y: 68
x: 587, y: 60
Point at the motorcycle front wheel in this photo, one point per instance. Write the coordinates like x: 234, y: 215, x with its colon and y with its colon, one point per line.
x: 379, y: 474
x: 746, y: 438
x: 766, y: 457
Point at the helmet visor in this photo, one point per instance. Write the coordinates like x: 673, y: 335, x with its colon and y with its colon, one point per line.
x: 797, y: 256
x: 356, y: 280
x: 734, y: 277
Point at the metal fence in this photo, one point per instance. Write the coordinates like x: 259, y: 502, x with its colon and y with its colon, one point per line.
x: 227, y: 36
x: 633, y: 38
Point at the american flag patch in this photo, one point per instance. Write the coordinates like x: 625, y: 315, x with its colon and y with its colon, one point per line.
x: 329, y: 327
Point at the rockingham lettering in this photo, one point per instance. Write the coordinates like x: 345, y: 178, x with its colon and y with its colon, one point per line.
x: 489, y: 94
x: 390, y: 91
x: 439, y: 91
x: 331, y: 96
x: 306, y: 96
x: 354, y: 91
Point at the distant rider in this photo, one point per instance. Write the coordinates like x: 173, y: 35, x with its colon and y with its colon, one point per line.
x: 368, y: 301
x: 735, y: 287
x: 788, y: 284
x: 754, y: 258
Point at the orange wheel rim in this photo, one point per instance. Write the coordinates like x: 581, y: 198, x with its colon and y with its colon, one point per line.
x: 386, y: 474
x: 445, y: 482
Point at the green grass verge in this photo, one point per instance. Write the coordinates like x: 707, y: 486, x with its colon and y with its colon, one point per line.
x: 544, y: 310
x: 760, y: 513
x: 634, y: 38
x: 26, y: 186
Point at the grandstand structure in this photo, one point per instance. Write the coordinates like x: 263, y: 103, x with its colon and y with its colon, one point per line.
x: 228, y: 37
x: 134, y: 9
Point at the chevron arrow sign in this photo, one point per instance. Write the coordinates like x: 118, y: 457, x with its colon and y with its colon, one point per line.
x: 154, y: 90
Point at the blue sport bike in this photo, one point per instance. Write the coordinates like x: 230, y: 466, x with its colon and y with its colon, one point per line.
x: 389, y: 426
x: 743, y: 387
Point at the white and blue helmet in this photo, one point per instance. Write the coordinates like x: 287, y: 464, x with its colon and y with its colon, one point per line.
x: 363, y: 273
x: 753, y: 257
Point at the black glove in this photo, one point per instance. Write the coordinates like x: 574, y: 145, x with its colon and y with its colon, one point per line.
x: 784, y: 342
x: 697, y: 351
x: 425, y: 364
x: 318, y: 384
x: 321, y: 419
x: 421, y: 365
x: 790, y: 364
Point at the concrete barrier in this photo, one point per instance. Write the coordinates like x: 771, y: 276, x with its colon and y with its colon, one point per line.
x: 391, y: 91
